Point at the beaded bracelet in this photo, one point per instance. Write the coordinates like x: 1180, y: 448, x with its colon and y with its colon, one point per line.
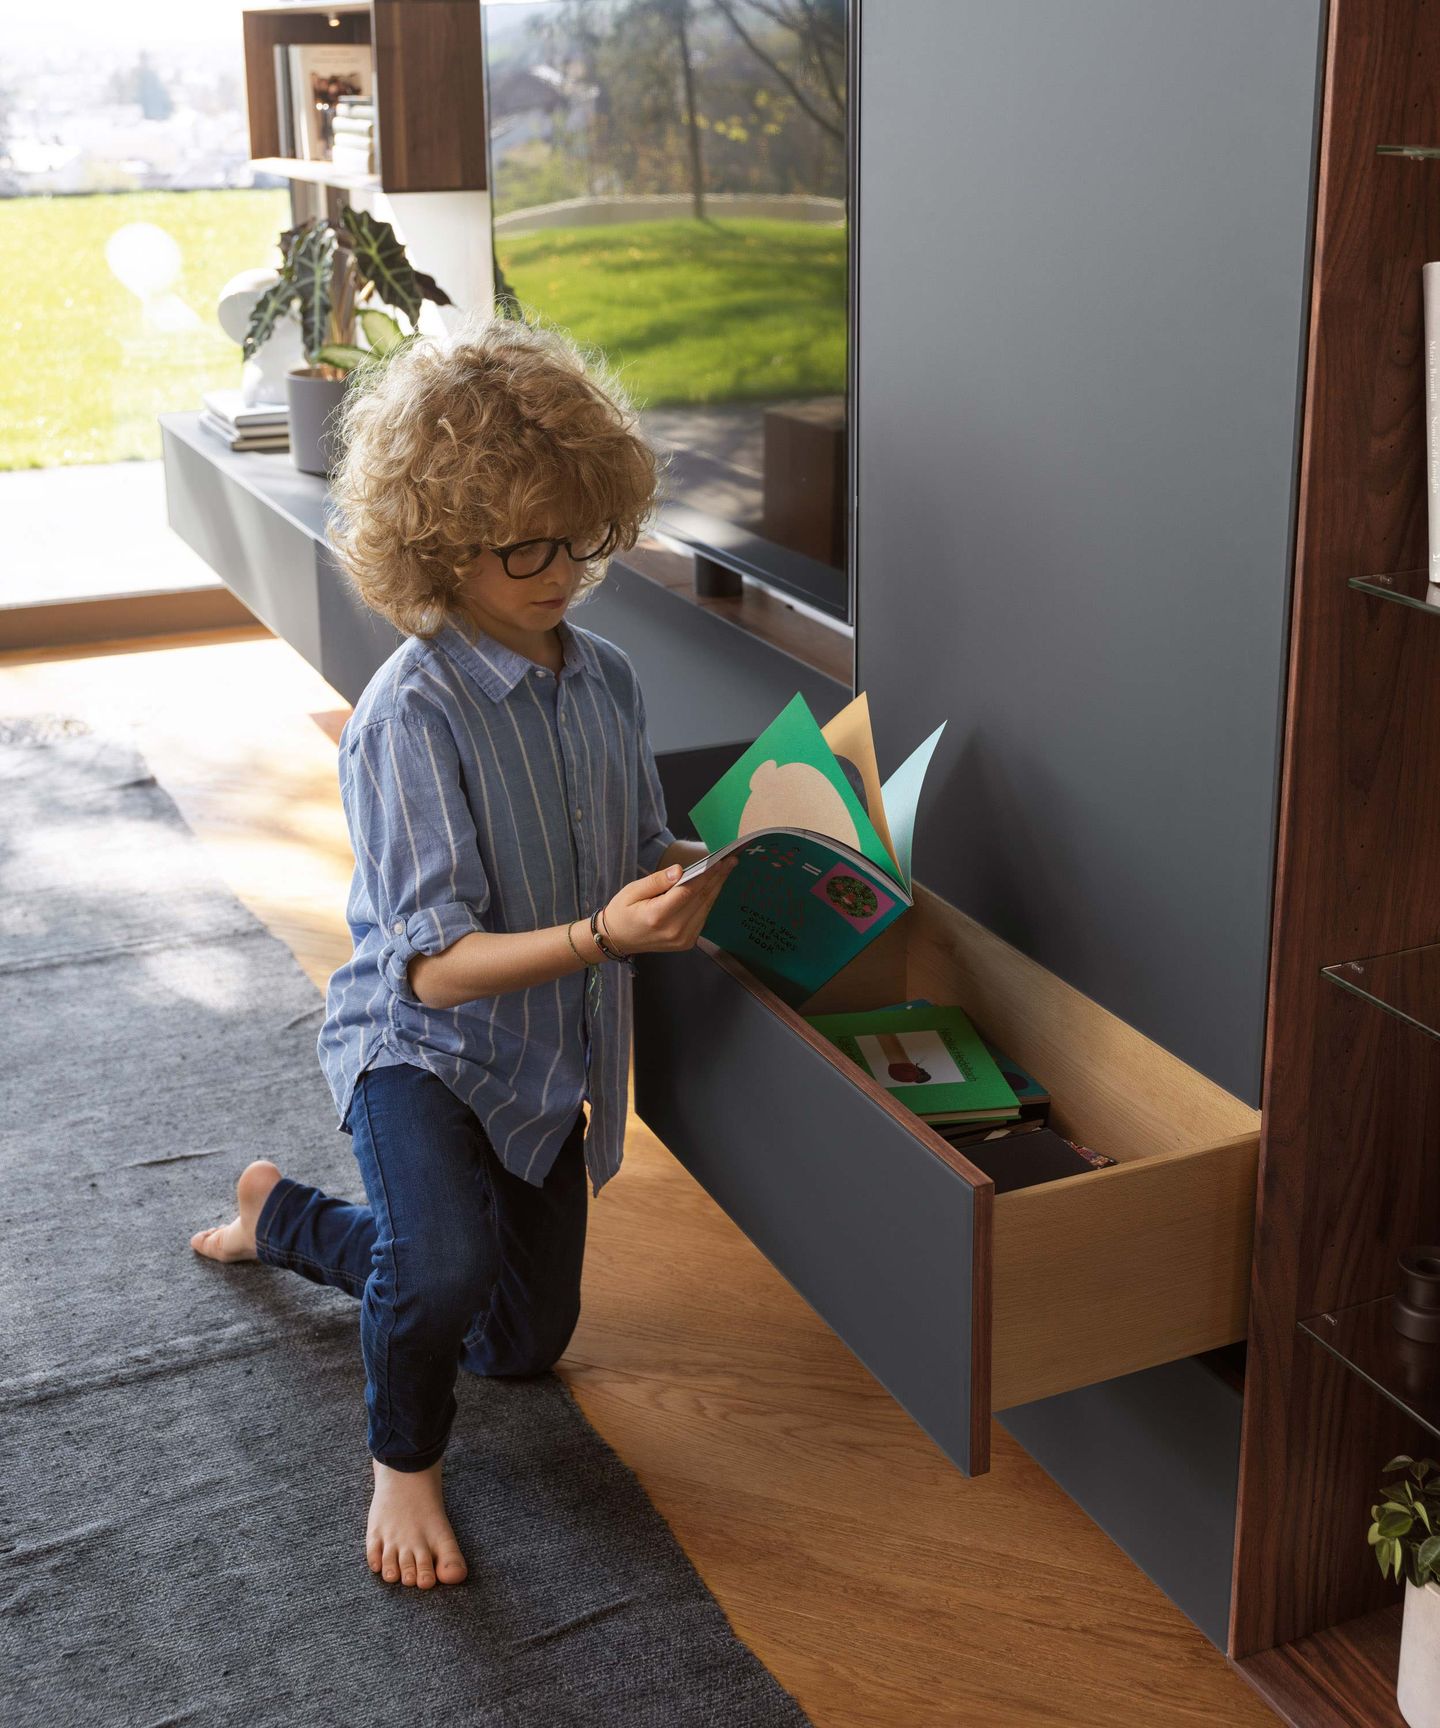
x: 610, y: 939
x: 604, y: 943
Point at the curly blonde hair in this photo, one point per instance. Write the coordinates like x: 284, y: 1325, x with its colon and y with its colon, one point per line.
x: 495, y: 432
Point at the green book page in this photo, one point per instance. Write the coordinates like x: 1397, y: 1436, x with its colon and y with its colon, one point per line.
x: 789, y: 776
x: 932, y: 1060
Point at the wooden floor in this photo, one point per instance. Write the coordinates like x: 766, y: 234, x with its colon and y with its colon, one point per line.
x: 877, y: 1583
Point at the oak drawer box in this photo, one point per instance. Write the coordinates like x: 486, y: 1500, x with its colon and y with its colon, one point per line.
x: 960, y: 1301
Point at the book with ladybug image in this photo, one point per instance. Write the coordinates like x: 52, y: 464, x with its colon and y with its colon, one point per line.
x: 824, y: 847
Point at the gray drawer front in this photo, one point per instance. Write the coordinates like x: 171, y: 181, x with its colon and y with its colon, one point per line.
x: 886, y: 1241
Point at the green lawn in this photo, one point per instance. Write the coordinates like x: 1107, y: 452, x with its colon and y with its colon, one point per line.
x: 692, y: 311
x: 87, y: 373
x: 689, y: 311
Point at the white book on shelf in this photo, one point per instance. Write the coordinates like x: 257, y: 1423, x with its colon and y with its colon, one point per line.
x: 230, y: 406
x: 284, y: 103
x: 1430, y: 293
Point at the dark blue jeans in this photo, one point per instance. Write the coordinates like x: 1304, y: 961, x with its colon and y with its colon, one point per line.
x: 456, y: 1262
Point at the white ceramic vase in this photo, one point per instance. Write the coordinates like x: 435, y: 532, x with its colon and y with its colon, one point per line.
x: 1418, y: 1689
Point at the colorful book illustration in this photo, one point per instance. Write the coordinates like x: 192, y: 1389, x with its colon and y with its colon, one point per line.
x: 929, y: 1058
x: 1033, y: 1099
x: 824, y: 848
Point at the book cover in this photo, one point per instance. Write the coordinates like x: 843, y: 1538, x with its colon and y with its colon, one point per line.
x: 1033, y: 1099
x: 819, y: 876
x: 320, y: 74
x: 931, y: 1059
x: 284, y: 102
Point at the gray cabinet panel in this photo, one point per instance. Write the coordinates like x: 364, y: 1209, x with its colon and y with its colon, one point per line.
x: 1083, y: 249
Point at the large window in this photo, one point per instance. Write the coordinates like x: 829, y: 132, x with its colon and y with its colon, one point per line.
x: 126, y: 204
x: 670, y: 186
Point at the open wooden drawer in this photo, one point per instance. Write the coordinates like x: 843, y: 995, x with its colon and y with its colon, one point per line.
x: 958, y: 1300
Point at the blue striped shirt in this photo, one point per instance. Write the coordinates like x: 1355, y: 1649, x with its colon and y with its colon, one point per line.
x: 484, y: 792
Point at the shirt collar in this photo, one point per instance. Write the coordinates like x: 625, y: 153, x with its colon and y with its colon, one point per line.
x: 498, y: 669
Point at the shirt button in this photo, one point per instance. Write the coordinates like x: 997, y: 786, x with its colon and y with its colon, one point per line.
x: 398, y: 925
x: 579, y: 815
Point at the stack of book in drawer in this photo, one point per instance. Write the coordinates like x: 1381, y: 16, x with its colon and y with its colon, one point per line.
x: 931, y: 1059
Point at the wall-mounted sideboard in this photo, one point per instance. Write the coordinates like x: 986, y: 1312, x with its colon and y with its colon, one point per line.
x: 715, y: 672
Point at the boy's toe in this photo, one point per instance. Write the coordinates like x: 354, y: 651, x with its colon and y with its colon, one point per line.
x: 390, y: 1567
x: 450, y: 1565
x: 407, y: 1567
x: 424, y: 1572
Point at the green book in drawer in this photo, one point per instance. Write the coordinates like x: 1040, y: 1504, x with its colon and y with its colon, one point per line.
x: 928, y: 1057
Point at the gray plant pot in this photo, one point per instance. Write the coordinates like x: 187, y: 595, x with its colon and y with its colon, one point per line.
x: 313, y: 400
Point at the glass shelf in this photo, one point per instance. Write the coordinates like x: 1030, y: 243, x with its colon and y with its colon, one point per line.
x: 1405, y: 1372
x: 1406, y: 984
x: 1409, y: 587
x: 1419, y: 152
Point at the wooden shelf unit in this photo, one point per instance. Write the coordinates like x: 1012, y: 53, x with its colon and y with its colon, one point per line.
x: 429, y: 90
x: 1351, y: 1100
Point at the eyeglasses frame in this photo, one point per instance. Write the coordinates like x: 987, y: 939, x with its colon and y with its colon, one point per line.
x: 607, y: 545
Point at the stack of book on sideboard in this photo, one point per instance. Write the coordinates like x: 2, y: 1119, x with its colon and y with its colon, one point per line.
x: 262, y: 426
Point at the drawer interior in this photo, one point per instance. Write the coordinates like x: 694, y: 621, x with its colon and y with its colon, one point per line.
x: 1113, y: 1270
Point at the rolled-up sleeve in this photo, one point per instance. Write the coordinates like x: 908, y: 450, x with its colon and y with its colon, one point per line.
x: 654, y: 836
x: 415, y: 844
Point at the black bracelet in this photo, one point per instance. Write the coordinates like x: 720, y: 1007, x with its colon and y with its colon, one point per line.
x: 600, y: 941
x: 605, y: 945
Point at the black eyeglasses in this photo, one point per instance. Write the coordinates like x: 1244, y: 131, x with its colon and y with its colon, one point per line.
x: 527, y: 558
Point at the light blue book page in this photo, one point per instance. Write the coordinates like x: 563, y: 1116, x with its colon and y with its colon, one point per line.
x: 901, y: 793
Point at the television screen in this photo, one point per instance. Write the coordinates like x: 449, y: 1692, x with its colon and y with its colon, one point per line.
x: 669, y: 184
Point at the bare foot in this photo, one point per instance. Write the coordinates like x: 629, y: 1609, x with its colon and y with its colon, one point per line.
x: 236, y: 1240
x: 408, y: 1537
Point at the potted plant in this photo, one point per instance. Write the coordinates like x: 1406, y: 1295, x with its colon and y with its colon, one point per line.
x: 335, y: 277
x: 1405, y: 1535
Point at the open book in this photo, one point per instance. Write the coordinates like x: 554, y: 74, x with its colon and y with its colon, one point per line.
x: 824, y: 848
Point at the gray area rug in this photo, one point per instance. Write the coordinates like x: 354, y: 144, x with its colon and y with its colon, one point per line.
x: 183, y: 1470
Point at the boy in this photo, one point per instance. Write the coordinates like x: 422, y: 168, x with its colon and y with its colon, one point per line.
x: 511, y: 853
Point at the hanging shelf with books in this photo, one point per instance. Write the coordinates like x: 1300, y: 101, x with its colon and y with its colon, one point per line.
x: 396, y: 94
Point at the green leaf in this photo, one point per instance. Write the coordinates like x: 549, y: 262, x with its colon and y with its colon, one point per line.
x: 266, y: 313
x: 314, y: 261
x: 1400, y: 1463
x: 1422, y: 1512
x: 1427, y: 1556
x: 1394, y: 1521
x: 345, y: 355
x: 432, y: 290
x: 380, y: 260
x: 381, y: 330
